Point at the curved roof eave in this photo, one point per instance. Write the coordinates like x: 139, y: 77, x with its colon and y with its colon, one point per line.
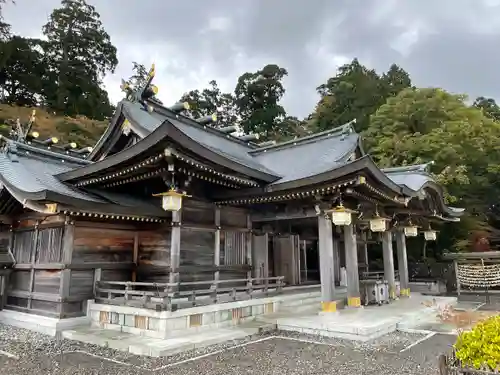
x: 166, y: 129
x: 107, y: 133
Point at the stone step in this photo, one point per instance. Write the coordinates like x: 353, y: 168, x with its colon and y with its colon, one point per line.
x: 141, y: 345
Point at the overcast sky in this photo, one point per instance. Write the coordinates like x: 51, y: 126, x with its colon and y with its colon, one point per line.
x: 445, y: 43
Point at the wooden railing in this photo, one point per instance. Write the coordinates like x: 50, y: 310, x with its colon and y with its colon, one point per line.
x: 172, y: 296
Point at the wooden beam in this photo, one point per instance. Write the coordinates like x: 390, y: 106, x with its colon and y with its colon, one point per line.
x: 299, y: 214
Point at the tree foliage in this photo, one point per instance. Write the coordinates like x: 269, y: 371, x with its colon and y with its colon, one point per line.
x: 489, y: 107
x: 23, y: 74
x: 420, y: 125
x: 356, y: 92
x: 4, y: 27
x: 79, y: 52
x: 257, y: 96
x: 212, y: 100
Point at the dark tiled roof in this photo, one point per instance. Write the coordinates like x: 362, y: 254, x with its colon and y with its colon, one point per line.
x: 309, y: 157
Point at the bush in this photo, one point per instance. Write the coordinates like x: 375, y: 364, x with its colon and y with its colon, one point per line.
x: 480, y: 347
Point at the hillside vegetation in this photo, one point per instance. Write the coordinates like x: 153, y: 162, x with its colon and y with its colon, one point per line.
x: 79, y: 129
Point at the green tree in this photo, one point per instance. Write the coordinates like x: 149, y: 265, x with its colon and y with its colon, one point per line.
x: 420, y: 125
x: 4, y: 27
x: 23, y: 71
x: 489, y: 107
x: 80, y: 53
x: 209, y: 101
x: 257, y: 96
x: 355, y: 92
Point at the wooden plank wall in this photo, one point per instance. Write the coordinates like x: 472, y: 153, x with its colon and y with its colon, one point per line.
x: 154, y: 255
x: 56, y: 263
x: 35, y: 283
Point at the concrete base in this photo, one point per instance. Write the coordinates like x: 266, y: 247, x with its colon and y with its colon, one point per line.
x: 141, y: 345
x: 41, y: 324
x: 433, y: 287
x: 370, y: 322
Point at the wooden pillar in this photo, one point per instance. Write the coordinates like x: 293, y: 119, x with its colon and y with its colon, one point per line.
x: 135, y: 256
x: 33, y: 261
x: 351, y: 263
x: 67, y: 257
x: 404, y: 279
x: 248, y: 246
x: 175, y: 249
x: 336, y: 259
x: 388, y: 256
x: 217, y: 243
x: 326, y: 259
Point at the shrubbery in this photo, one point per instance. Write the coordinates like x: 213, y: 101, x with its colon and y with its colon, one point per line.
x: 480, y: 347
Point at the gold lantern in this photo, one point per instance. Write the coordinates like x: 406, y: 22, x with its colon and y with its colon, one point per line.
x: 341, y: 215
x: 378, y: 224
x: 171, y: 200
x: 411, y: 231
x: 430, y: 235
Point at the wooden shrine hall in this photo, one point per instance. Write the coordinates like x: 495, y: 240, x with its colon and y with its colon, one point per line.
x: 166, y: 208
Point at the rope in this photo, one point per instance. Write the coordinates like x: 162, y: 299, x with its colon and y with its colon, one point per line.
x: 476, y: 275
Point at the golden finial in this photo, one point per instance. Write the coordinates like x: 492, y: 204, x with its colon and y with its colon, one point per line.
x: 152, y: 71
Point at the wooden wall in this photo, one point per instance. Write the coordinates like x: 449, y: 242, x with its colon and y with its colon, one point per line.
x: 57, y: 257
x: 56, y: 261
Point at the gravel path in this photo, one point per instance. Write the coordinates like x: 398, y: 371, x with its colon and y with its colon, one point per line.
x: 284, y: 355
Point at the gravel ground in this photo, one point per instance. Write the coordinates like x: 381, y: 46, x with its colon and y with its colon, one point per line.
x: 285, y: 355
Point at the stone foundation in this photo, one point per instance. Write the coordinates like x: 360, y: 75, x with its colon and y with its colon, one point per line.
x: 150, y: 323
x: 42, y: 324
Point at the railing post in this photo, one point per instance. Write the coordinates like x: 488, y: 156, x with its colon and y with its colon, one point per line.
x: 279, y: 287
x: 213, y: 290
x: 97, y: 280
x: 249, y: 288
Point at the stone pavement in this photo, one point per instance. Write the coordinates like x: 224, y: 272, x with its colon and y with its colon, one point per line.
x: 392, y: 354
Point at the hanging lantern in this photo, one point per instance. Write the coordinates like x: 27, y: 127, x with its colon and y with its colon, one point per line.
x: 171, y: 200
x: 341, y: 216
x: 411, y: 231
x: 378, y: 224
x: 430, y: 235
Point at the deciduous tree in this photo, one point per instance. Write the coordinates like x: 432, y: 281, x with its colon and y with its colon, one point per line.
x: 422, y: 125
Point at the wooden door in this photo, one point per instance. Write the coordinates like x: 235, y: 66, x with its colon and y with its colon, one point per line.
x: 260, y: 255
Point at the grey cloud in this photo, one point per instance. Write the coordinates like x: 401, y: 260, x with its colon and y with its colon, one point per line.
x: 455, y: 49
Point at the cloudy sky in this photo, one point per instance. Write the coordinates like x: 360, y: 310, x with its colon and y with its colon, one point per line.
x: 445, y: 43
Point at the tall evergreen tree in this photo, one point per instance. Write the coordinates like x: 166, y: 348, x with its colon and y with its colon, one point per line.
x: 257, y: 96
x: 80, y: 53
x: 489, y: 107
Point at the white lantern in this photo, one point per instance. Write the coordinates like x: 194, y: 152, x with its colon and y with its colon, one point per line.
x: 341, y: 216
x: 378, y: 224
x: 411, y: 231
x: 171, y: 200
x: 430, y: 235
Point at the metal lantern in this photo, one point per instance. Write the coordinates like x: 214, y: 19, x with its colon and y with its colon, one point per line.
x: 430, y: 235
x: 411, y: 231
x: 341, y: 216
x: 378, y: 224
x: 171, y: 200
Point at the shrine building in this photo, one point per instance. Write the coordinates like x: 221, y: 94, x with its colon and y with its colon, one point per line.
x: 168, y: 214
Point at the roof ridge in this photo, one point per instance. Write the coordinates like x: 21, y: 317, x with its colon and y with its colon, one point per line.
x: 409, y: 168
x: 341, y: 130
x: 15, y: 146
x: 189, y: 121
